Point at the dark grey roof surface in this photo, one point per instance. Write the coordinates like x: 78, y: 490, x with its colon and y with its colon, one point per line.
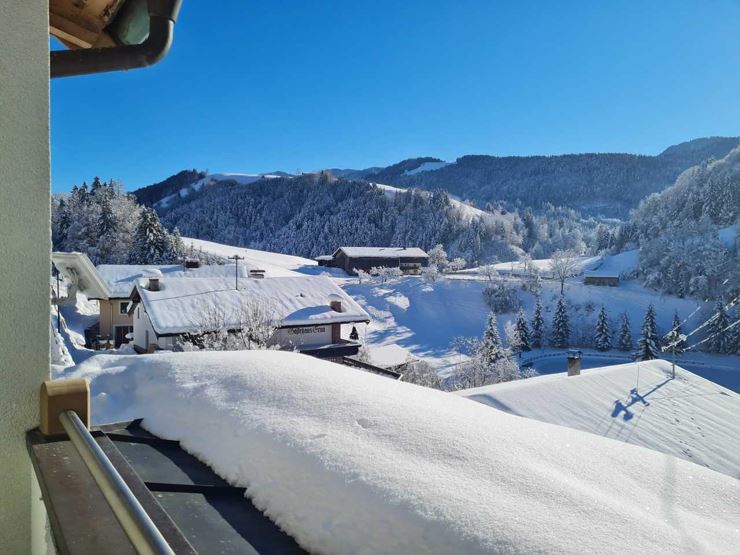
x: 195, y: 509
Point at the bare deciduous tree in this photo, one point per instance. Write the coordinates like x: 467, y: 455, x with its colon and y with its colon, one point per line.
x: 563, y: 264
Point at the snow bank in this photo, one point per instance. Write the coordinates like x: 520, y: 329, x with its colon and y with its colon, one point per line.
x: 688, y: 417
x: 346, y: 461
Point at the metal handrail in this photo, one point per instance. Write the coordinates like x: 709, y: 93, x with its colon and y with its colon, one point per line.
x: 134, y: 520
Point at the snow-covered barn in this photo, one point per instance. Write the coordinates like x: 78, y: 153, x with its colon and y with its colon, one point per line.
x: 409, y: 259
x: 307, y: 312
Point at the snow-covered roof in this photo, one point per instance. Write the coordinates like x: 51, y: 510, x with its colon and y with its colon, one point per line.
x: 688, y: 417
x: 78, y: 269
x: 324, y: 257
x: 121, y: 277
x: 388, y: 356
x: 344, y: 459
x: 601, y: 273
x: 183, y: 305
x: 383, y: 252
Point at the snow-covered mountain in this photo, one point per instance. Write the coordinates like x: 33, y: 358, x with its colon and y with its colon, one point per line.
x: 609, y: 184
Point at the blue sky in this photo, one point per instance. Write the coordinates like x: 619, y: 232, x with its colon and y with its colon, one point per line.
x: 270, y: 84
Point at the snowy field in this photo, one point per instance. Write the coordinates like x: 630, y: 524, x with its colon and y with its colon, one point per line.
x: 688, y: 417
x: 280, y: 264
x: 338, y: 460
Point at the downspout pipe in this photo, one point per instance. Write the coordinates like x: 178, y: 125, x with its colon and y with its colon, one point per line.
x: 162, y: 17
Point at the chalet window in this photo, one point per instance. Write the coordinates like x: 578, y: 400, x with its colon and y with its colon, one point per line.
x: 123, y: 308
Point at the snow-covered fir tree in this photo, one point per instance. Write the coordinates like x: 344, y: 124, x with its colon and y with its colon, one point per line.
x: 718, y: 333
x: 538, y: 326
x: 560, y: 333
x: 152, y: 244
x: 625, y: 334
x: 602, y: 335
x: 648, y: 344
x: 491, y: 349
x: 522, y: 333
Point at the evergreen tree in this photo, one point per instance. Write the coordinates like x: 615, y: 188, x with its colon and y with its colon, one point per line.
x: 560, y: 334
x: 353, y: 335
x: 602, y: 337
x: 625, y: 334
x: 717, y: 331
x: 491, y: 349
x: 538, y: 326
x: 648, y: 344
x: 522, y: 333
x: 151, y: 244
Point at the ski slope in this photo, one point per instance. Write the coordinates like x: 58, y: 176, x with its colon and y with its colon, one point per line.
x: 688, y: 417
x: 345, y: 460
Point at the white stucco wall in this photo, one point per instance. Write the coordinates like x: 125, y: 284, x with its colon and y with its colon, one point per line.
x: 25, y: 252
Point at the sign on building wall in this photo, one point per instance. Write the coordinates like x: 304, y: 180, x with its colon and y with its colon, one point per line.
x: 304, y: 336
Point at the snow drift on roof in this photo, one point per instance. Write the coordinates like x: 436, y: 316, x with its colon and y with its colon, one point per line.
x: 688, y: 417
x: 346, y: 461
x: 383, y: 252
x: 184, y: 305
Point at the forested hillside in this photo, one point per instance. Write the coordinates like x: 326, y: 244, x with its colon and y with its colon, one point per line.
x: 688, y: 233
x: 599, y: 184
x: 314, y: 214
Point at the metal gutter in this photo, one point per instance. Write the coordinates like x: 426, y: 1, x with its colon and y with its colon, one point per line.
x: 162, y: 17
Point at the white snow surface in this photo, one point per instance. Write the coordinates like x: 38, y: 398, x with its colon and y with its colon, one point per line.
x: 427, y: 167
x: 689, y: 417
x: 622, y: 265
x: 181, y: 304
x: 349, y: 462
x: 274, y: 263
x: 239, y: 178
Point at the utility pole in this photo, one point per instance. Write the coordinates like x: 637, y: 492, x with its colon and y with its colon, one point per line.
x: 236, y: 258
x: 59, y: 316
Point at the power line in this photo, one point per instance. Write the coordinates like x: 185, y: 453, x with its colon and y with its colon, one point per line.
x: 735, y: 323
x: 711, y: 319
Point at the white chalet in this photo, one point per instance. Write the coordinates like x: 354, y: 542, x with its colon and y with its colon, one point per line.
x: 308, y: 311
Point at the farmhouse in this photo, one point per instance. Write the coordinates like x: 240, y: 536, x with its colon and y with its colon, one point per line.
x: 307, y: 313
x: 409, y: 259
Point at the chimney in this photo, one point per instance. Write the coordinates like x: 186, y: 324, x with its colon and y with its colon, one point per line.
x: 335, y: 302
x: 574, y: 362
x: 153, y: 276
